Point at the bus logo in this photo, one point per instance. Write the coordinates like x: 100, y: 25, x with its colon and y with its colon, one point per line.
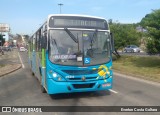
x: 87, y: 60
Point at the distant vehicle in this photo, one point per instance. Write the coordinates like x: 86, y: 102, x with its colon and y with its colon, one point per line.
x: 132, y: 48
x: 22, y: 49
x: 7, y: 48
x: 14, y: 46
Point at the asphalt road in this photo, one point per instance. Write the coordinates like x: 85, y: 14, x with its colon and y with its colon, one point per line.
x: 20, y: 88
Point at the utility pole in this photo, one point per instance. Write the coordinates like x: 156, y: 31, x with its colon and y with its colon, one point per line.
x: 60, y: 6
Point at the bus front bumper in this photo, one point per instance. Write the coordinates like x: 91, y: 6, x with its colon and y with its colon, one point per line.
x: 70, y: 87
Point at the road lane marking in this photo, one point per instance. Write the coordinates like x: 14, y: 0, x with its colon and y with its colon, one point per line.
x: 113, y: 91
x: 21, y: 60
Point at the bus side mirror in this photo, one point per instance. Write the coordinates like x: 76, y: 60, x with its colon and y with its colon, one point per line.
x: 112, y: 42
x: 43, y: 42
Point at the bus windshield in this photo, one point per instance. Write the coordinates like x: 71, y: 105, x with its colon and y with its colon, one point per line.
x: 79, y: 48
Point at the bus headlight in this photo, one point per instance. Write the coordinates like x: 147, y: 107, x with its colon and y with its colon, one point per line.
x: 54, y: 75
x: 57, y: 77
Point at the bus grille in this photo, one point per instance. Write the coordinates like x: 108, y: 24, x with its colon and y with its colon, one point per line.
x: 90, y: 75
x: 80, y: 72
x: 88, y: 78
x: 78, y: 86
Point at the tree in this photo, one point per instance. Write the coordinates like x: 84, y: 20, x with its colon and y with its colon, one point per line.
x: 125, y: 34
x: 151, y: 22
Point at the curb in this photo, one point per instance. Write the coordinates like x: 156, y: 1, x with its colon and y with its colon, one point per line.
x: 10, y: 71
x: 136, y: 78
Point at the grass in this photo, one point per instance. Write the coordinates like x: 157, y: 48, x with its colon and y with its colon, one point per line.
x: 2, y: 65
x: 143, y: 67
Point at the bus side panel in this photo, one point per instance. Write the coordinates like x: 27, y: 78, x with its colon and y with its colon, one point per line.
x: 30, y: 60
x: 43, y: 80
x: 29, y: 55
x: 38, y: 66
x: 34, y: 62
x: 43, y: 69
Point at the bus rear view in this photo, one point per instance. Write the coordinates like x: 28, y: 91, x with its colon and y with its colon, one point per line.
x: 77, y: 54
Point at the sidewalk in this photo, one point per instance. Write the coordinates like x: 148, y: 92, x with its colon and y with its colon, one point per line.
x: 9, y: 62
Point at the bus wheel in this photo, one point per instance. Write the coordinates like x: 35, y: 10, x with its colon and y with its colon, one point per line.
x: 43, y: 90
x: 54, y: 96
x: 32, y: 73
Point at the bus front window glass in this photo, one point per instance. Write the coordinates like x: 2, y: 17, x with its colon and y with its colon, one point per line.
x: 74, y: 47
x: 63, y: 49
x: 96, y: 47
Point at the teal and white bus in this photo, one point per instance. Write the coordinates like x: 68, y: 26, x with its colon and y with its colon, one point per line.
x: 72, y: 53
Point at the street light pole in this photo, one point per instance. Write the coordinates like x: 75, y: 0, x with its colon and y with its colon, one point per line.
x: 60, y: 6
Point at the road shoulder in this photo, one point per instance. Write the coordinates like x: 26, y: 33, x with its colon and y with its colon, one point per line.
x: 9, y: 68
x: 140, y: 79
x: 9, y: 62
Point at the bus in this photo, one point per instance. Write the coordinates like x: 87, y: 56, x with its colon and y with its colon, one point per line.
x: 72, y: 53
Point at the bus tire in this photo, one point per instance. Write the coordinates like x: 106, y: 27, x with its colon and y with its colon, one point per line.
x: 32, y: 73
x: 54, y: 96
x: 43, y: 90
x: 32, y: 70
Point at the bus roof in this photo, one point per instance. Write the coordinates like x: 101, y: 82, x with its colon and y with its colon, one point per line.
x: 76, y: 15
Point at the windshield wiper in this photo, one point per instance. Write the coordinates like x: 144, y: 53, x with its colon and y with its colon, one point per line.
x: 92, y: 39
x: 71, y: 35
x: 94, y: 35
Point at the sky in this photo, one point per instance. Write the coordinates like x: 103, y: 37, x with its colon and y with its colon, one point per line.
x: 25, y: 16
